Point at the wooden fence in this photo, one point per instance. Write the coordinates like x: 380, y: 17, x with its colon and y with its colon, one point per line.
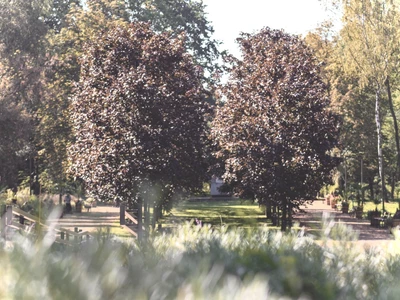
x: 125, y: 216
x: 14, y: 219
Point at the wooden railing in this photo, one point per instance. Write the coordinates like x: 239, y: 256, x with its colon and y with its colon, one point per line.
x: 125, y: 215
x: 27, y: 223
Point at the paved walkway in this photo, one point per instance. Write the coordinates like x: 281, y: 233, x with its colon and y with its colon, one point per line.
x: 367, y: 234
x: 108, y: 216
x: 99, y: 217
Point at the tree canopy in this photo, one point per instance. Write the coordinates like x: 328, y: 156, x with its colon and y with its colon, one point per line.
x: 275, y: 129
x: 138, y: 114
x: 181, y: 16
x: 14, y: 141
x: 368, y: 50
x: 42, y: 41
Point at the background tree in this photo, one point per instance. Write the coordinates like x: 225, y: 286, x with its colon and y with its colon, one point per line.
x: 14, y: 142
x: 138, y: 116
x: 22, y: 54
x: 181, y: 16
x: 56, y: 17
x: 66, y: 45
x: 369, y: 48
x: 354, y: 104
x: 41, y: 42
x: 73, y: 26
x: 275, y: 129
x: 373, y: 24
x: 176, y: 16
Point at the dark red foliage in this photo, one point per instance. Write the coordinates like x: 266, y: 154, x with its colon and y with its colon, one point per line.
x: 138, y: 114
x: 275, y: 129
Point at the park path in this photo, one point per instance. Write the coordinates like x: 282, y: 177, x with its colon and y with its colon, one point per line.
x: 100, y: 217
x: 367, y: 235
x: 103, y: 217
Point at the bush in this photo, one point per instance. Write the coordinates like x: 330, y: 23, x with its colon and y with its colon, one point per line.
x: 201, y: 263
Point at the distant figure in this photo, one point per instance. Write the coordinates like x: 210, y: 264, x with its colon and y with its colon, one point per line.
x: 68, y: 207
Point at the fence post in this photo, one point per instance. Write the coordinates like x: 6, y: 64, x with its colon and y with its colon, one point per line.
x: 140, y: 219
x: 9, y: 214
x: 3, y: 221
x: 122, y: 214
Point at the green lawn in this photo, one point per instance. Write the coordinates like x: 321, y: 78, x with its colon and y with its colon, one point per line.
x: 217, y: 212
x: 235, y: 213
x: 369, y: 205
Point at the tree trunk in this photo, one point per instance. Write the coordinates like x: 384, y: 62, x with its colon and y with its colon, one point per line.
x: 154, y: 218
x: 268, y: 209
x: 371, y: 187
x: 30, y: 175
x: 392, y: 185
x: 379, y: 134
x: 157, y: 213
x: 160, y: 212
x: 36, y: 190
x: 284, y: 214
x: 274, y: 215
x: 146, y: 212
x: 396, y: 128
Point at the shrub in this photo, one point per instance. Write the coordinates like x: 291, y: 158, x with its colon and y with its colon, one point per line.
x: 201, y: 263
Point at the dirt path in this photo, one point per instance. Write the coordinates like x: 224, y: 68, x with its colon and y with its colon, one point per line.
x: 367, y: 234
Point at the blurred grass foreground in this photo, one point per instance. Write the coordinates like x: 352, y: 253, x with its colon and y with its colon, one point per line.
x: 195, y: 262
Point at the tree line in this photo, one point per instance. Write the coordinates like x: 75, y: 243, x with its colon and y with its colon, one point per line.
x: 123, y: 98
x: 42, y: 45
x: 361, y: 70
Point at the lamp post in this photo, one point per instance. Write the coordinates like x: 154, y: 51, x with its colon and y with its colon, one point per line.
x: 346, y: 155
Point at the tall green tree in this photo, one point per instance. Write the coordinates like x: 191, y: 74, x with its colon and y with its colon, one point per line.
x: 56, y: 17
x: 22, y: 55
x: 62, y: 69
x: 275, y: 129
x: 355, y: 104
x: 369, y: 45
x: 22, y: 33
x: 179, y: 16
x: 14, y: 141
x: 358, y: 134
x: 176, y: 16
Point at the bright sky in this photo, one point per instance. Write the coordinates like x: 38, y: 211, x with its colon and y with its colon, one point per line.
x: 230, y: 17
